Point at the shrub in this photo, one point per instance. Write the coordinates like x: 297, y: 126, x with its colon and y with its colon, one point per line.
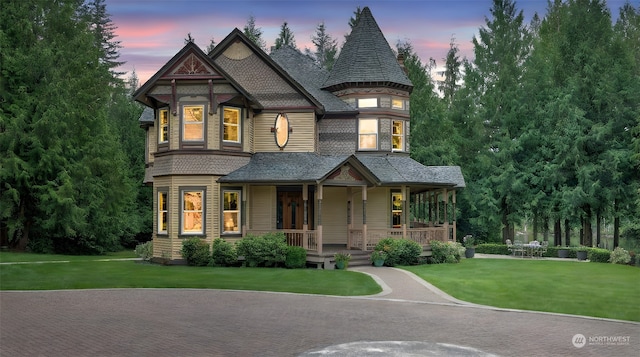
x: 598, y: 255
x: 620, y: 256
x: 144, y: 250
x: 492, y: 248
x: 449, y: 252
x: 196, y: 252
x: 296, y: 258
x: 223, y: 253
x: 399, y: 251
x: 266, y: 250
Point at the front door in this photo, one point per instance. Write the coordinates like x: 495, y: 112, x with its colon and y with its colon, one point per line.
x: 290, y: 210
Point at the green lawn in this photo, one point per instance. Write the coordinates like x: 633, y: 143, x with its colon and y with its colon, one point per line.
x: 87, y: 274
x: 592, y: 289
x: 10, y: 257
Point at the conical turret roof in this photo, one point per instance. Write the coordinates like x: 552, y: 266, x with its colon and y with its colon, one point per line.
x: 366, y: 58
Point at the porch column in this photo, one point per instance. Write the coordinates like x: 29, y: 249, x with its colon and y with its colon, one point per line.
x: 403, y: 216
x: 445, y: 201
x: 364, y: 217
x: 305, y: 221
x: 319, y: 229
x: 349, y: 217
x: 454, y: 214
x: 243, y: 213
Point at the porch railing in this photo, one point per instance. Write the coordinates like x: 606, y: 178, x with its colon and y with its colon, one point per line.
x: 422, y: 236
x: 296, y: 237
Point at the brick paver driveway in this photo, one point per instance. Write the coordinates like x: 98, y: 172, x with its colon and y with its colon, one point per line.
x: 166, y: 322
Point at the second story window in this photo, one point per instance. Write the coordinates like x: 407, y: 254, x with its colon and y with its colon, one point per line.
x: 193, y: 123
x: 368, y: 103
x: 163, y: 127
x: 368, y: 134
x: 397, y: 135
x: 231, y: 125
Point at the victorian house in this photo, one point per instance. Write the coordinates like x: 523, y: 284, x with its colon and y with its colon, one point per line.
x: 243, y: 142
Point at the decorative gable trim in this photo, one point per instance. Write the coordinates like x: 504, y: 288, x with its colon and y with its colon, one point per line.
x: 192, y: 65
x: 345, y: 174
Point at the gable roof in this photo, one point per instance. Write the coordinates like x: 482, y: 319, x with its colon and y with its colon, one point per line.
x: 189, y: 63
x: 366, y: 58
x: 299, y: 167
x: 238, y: 57
x: 305, y: 71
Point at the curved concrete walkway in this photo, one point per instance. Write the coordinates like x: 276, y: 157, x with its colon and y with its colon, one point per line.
x: 408, y: 317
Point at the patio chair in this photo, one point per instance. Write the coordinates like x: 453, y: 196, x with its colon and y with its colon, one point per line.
x: 543, y: 248
x: 510, y: 246
x: 518, y: 247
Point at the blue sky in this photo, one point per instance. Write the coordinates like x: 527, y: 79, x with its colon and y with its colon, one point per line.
x: 152, y: 31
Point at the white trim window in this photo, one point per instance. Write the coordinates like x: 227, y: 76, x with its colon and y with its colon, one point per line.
x: 368, y: 134
x: 231, y: 125
x: 396, y: 209
x: 397, y: 135
x: 231, y: 211
x: 163, y: 127
x: 192, y: 211
x: 193, y: 123
x: 162, y: 212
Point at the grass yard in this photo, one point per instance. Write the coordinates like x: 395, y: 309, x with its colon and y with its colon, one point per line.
x: 592, y: 289
x: 94, y: 274
x: 12, y: 257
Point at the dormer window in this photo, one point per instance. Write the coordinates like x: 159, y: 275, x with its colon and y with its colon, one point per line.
x: 163, y: 127
x: 231, y: 125
x: 368, y: 134
x: 397, y: 135
x: 193, y: 123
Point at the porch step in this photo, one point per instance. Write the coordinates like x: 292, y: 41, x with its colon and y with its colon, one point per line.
x: 360, y: 259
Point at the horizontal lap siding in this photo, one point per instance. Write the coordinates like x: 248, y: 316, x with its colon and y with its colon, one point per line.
x: 334, y: 215
x: 262, y: 208
x: 301, y: 138
x: 378, y: 208
x: 172, y: 243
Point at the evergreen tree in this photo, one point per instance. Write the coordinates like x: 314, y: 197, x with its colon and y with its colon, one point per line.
x: 254, y: 33
x: 326, y: 47
x: 353, y: 21
x: 211, y: 46
x: 63, y: 173
x: 286, y: 37
x: 452, y: 73
x: 104, y: 31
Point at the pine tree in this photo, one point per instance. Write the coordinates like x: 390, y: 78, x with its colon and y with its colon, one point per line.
x: 452, y: 73
x: 254, y: 33
x: 286, y: 37
x: 326, y: 47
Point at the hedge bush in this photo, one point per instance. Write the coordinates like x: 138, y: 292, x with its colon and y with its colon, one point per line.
x: 399, y: 251
x: 598, y: 255
x: 450, y: 252
x: 196, y: 252
x: 223, y: 253
x: 296, y: 257
x: 145, y: 250
x: 492, y: 248
x: 620, y: 256
x: 266, y: 250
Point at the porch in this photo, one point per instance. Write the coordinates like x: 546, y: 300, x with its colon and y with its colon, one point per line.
x: 364, y: 239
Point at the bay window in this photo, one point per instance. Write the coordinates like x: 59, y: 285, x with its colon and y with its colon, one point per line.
x: 397, y: 135
x: 368, y: 134
x: 162, y: 212
x: 163, y: 127
x: 231, y: 125
x: 192, y: 211
x: 193, y: 123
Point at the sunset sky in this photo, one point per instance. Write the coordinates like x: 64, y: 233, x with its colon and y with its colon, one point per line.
x: 152, y: 31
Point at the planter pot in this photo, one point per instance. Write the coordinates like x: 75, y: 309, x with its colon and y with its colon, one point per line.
x: 341, y: 265
x: 582, y: 255
x: 563, y: 253
x: 378, y: 262
x: 470, y: 252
